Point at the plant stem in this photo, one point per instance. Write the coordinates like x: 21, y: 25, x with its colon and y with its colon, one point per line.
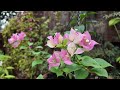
x: 117, y: 31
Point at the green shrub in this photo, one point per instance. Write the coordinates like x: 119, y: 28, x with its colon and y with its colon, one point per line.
x: 36, y: 30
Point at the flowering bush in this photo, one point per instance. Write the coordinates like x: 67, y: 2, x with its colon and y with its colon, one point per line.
x: 23, y: 40
x: 70, y: 61
x: 16, y: 39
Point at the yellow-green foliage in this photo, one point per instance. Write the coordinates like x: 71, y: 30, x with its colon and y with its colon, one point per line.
x: 22, y: 58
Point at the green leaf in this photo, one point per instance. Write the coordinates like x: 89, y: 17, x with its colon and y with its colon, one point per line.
x: 1, y: 70
x: 118, y: 59
x: 9, y: 77
x: 29, y: 43
x: 83, y: 16
x: 88, y: 61
x: 91, y: 13
x: 102, y: 62
x: 34, y: 63
x: 80, y: 28
x: 73, y: 22
x: 47, y: 56
x: 79, y: 57
x: 67, y: 70
x: 40, y: 76
x: 23, y: 47
x: 39, y: 47
x: 100, y: 72
x: 10, y: 67
x: 71, y: 68
x: 62, y: 64
x: 36, y: 53
x: 81, y: 74
x: 114, y: 21
x: 57, y: 71
x: 4, y: 57
x: 6, y: 72
x: 54, y: 69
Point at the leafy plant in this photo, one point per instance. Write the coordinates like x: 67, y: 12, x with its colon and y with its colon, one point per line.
x: 113, y: 22
x: 31, y: 48
x: 5, y: 71
x: 118, y: 59
x: 69, y: 62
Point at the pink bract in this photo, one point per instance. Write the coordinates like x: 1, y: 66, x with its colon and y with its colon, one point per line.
x: 54, y: 60
x: 74, y: 36
x: 21, y: 35
x: 72, y: 49
x: 53, y: 41
x: 16, y: 44
x: 65, y: 57
x: 11, y: 40
x: 16, y: 39
x: 86, y: 41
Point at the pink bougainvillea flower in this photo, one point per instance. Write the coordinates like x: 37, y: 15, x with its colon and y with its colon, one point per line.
x: 79, y: 51
x: 72, y: 49
x: 78, y: 37
x: 13, y: 38
x: 16, y: 39
x: 54, y: 60
x: 52, y: 42
x: 65, y: 57
x: 86, y: 41
x: 16, y: 44
x: 59, y: 37
x: 21, y: 35
x: 72, y: 34
x: 66, y: 36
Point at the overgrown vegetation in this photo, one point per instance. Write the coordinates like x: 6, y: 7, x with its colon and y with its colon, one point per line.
x: 29, y: 59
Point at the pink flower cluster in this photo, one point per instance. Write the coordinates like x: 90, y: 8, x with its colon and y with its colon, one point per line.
x: 77, y: 44
x: 57, y: 56
x: 16, y: 39
x: 75, y: 39
x: 53, y: 41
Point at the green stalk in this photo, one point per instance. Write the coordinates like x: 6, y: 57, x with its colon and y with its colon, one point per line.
x: 117, y: 31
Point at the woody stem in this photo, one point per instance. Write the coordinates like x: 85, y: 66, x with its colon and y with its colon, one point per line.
x: 117, y: 31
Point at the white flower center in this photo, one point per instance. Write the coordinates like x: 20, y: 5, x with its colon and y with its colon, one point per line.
x: 87, y: 40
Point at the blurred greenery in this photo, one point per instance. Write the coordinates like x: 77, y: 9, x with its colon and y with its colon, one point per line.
x: 33, y: 52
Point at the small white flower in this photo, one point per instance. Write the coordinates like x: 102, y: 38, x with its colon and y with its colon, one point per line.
x: 1, y: 63
x: 87, y: 40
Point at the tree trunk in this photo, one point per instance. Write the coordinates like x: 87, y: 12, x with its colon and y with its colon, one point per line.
x: 61, y: 17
